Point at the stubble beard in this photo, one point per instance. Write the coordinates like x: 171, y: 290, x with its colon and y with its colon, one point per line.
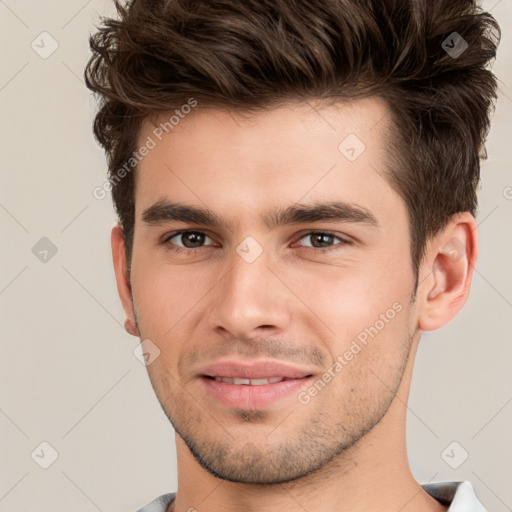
x: 321, y: 442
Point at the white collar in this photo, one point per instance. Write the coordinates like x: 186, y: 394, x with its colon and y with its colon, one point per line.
x: 459, y: 495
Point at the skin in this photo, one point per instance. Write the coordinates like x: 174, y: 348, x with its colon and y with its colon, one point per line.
x: 298, y: 303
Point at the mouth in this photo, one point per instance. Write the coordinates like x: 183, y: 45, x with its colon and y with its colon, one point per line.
x: 249, y: 382
x: 253, y: 385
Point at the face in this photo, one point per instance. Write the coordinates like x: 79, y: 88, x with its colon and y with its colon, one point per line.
x: 271, y: 269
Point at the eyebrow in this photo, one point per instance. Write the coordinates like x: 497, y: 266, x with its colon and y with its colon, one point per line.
x: 335, y: 211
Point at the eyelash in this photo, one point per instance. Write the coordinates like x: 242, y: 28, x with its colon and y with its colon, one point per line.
x: 178, y: 249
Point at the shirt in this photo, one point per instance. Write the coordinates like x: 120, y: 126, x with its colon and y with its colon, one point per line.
x: 459, y: 495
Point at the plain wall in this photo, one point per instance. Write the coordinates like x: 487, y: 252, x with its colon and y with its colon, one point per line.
x: 68, y: 373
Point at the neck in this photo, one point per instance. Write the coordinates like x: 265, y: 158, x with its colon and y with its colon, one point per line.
x: 372, y: 475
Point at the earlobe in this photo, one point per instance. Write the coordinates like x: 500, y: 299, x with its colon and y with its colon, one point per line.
x: 122, y: 279
x: 448, y: 270
x: 131, y: 327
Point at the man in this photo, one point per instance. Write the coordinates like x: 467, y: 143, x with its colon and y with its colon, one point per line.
x: 296, y: 187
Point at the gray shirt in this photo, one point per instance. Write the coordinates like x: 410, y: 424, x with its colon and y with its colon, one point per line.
x: 459, y: 495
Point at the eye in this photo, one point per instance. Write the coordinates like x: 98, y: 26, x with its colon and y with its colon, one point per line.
x: 187, y: 239
x: 190, y: 240
x: 322, y: 240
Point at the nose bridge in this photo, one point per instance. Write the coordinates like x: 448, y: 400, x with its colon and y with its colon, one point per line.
x: 249, y: 296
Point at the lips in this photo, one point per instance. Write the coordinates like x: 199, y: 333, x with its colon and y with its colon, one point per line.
x: 254, y: 370
x: 252, y: 385
x: 248, y: 382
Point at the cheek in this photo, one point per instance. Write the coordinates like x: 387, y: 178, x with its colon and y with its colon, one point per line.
x: 164, y: 294
x: 350, y: 299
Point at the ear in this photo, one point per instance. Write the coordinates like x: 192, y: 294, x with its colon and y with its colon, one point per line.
x: 446, y: 272
x: 123, y: 280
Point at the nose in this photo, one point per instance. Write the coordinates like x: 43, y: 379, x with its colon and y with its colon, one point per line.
x: 250, y: 300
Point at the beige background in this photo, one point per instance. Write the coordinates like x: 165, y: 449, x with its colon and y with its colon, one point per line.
x: 68, y: 373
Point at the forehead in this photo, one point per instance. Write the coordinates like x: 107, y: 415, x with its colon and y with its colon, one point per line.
x: 286, y: 121
x: 224, y: 158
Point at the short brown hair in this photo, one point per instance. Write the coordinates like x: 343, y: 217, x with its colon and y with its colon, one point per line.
x: 254, y: 54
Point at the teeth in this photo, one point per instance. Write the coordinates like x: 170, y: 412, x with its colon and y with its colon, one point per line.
x: 249, y: 382
x: 258, y: 382
x: 241, y: 381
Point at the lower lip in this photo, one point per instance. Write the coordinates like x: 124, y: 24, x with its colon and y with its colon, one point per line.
x: 245, y: 396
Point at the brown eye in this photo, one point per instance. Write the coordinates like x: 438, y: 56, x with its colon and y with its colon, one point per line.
x: 322, y: 240
x: 188, y: 239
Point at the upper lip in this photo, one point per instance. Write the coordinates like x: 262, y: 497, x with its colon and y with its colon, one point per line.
x: 253, y: 370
